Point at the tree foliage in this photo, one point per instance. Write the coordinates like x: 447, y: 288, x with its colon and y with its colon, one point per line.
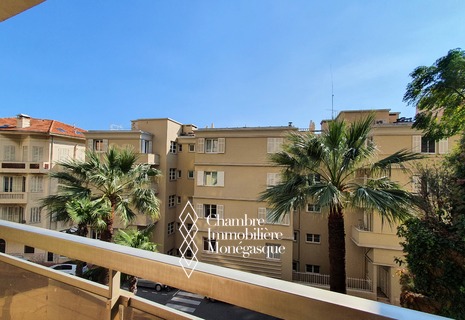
x: 140, y: 239
x: 438, y: 93
x: 336, y: 156
x: 434, y: 243
x: 112, y: 180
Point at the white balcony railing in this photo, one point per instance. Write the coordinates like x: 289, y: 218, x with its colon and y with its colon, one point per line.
x: 322, y: 280
x: 52, y: 293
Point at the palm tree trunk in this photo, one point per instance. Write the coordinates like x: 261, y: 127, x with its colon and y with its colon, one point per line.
x: 337, y: 250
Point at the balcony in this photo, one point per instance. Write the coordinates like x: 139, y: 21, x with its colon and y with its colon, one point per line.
x: 24, y: 167
x: 13, y: 198
x: 32, y: 291
x: 369, y: 239
x: 150, y: 158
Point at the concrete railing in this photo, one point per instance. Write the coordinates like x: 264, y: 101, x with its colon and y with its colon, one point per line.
x: 273, y: 297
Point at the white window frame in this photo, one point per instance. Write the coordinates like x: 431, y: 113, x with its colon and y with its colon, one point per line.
x: 202, y: 209
x: 14, y: 184
x: 171, y: 228
x: 211, y: 145
x: 171, y: 201
x: 9, y: 153
x: 37, y: 184
x: 273, y: 179
x: 313, y: 268
x: 203, y: 180
x: 190, y: 174
x: 191, y: 147
x: 263, y: 214
x: 172, y: 174
x: 37, y: 154
x: 35, y: 215
x: 313, y: 238
x: 173, y: 147
x: 311, y: 207
x: 274, y: 145
x: 272, y: 254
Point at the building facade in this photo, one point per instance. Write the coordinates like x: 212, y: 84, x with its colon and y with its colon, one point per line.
x: 29, y: 150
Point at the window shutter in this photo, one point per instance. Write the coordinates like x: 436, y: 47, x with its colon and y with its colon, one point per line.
x: 105, y: 144
x: 200, y: 145
x: 199, y: 209
x: 270, y: 179
x: 262, y: 213
x: 279, y: 145
x: 200, y: 178
x: 416, y: 143
x: 90, y: 144
x: 443, y: 146
x: 270, y: 145
x: 220, y: 178
x: 150, y: 147
x: 221, y: 145
x: 220, y: 210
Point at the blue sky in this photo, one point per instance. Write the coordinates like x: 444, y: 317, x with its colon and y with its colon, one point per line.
x: 234, y: 63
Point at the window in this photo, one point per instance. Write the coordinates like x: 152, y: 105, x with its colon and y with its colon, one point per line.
x: 100, y: 145
x: 190, y: 174
x: 173, y: 147
x: 296, y: 235
x: 171, y: 228
x: 179, y: 174
x: 274, y: 145
x: 211, y: 145
x: 313, y: 238
x: 272, y: 179
x: 14, y: 184
x: 416, y: 184
x: 191, y: 147
x: 179, y: 147
x: 428, y: 145
x: 209, y: 244
x: 265, y: 214
x: 37, y: 183
x: 37, y: 154
x: 28, y: 249
x: 311, y: 207
x: 35, y: 215
x: 145, y: 146
x: 312, y: 268
x: 172, y: 174
x: 178, y: 200
x: 13, y: 214
x: 273, y: 251
x: 171, y: 201
x: 210, y: 210
x: 9, y: 153
x: 170, y: 252
x: 210, y: 178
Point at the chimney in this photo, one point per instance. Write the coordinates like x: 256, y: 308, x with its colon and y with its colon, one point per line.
x: 23, y: 121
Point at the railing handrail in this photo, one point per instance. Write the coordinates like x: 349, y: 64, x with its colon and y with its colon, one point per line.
x: 270, y: 296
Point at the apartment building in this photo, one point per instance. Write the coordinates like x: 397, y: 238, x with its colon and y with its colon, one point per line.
x: 29, y: 150
x: 221, y: 173
x: 371, y: 245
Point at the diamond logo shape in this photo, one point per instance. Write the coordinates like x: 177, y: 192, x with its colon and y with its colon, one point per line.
x: 188, y: 230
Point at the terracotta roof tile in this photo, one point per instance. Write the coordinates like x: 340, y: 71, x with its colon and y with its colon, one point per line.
x: 43, y: 126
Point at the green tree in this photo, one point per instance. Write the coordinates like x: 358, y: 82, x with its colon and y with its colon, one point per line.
x: 434, y: 245
x: 336, y: 156
x: 112, y: 178
x: 139, y: 239
x: 438, y: 93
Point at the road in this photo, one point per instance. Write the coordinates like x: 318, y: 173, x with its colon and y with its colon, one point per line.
x: 199, y: 306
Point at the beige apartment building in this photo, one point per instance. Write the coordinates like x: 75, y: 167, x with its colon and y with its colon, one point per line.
x: 29, y: 150
x: 222, y: 171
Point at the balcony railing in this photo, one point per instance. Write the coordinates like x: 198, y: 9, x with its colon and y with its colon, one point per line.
x: 42, y: 293
x: 322, y: 280
x: 368, y: 239
x: 33, y: 167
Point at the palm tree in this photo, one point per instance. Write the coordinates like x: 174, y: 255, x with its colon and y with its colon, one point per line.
x: 323, y: 168
x: 114, y: 179
x: 139, y: 239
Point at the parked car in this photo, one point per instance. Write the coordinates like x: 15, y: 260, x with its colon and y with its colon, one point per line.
x: 68, y: 268
x: 150, y: 284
